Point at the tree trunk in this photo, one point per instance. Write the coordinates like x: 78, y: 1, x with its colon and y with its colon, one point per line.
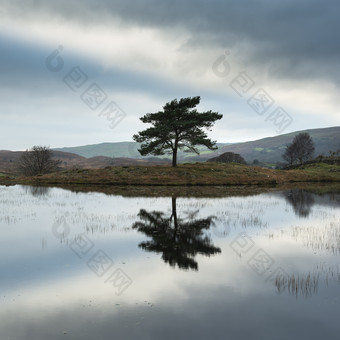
x: 174, y: 214
x: 174, y: 157
x: 174, y: 211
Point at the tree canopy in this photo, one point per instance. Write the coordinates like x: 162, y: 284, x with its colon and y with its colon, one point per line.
x: 37, y: 161
x: 228, y: 157
x: 178, y: 126
x: 300, y: 150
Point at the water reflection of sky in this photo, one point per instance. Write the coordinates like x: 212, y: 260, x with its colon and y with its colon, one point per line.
x: 46, y: 289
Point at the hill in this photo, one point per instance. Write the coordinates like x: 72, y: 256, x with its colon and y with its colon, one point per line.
x: 126, y: 149
x: 71, y: 160
x: 266, y: 150
x: 112, y: 150
x: 270, y: 150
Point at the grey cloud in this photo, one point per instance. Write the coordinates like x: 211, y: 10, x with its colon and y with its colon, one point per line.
x: 287, y: 38
x: 23, y: 69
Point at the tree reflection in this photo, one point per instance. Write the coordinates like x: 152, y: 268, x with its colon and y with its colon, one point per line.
x: 179, y: 240
x: 37, y: 191
x: 301, y: 201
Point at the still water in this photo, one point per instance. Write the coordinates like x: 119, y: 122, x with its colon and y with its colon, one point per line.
x: 99, y: 266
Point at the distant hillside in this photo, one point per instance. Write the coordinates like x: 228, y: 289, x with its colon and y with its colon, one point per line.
x: 9, y: 158
x: 126, y: 149
x: 266, y: 150
x: 270, y: 150
x: 71, y: 160
x: 113, y: 150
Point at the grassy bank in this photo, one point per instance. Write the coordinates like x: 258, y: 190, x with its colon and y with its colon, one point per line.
x: 185, y: 175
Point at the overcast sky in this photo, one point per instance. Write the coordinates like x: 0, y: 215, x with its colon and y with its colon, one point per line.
x: 83, y: 72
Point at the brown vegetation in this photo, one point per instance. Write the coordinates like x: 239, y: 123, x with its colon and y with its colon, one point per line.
x: 187, y: 175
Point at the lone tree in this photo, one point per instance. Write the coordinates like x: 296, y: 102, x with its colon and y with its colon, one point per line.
x: 300, y: 150
x: 178, y: 126
x: 290, y: 154
x: 36, y: 161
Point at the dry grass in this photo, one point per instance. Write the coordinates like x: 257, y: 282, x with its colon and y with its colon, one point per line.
x: 199, y: 174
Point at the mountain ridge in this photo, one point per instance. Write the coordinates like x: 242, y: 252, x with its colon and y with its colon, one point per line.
x: 265, y: 150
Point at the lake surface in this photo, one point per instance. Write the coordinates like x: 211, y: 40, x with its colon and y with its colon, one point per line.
x: 98, y: 266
